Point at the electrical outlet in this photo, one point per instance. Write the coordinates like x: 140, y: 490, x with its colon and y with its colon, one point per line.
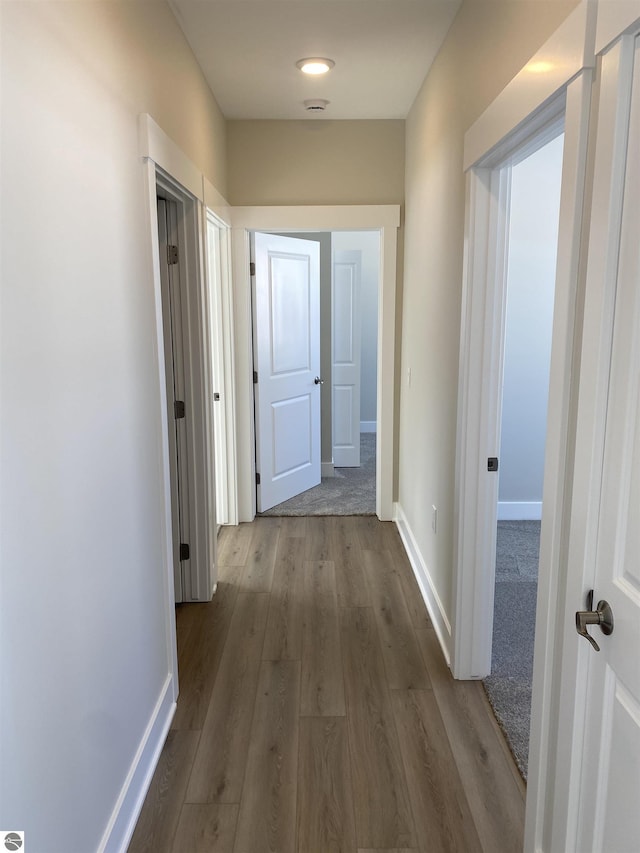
x: 434, y: 519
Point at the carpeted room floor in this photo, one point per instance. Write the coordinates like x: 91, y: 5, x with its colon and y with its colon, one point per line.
x: 509, y: 685
x: 352, y: 491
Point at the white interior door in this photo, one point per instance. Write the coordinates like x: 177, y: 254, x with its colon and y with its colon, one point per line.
x: 345, y: 348
x: 287, y: 360
x: 605, y: 531
x: 174, y: 364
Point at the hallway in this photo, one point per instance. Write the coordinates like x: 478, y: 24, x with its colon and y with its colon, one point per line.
x: 316, y: 712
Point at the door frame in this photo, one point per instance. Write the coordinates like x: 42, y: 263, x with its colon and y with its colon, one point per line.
x: 383, y: 218
x: 529, y: 108
x: 167, y: 168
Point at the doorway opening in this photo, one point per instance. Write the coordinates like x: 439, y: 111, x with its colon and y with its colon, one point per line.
x: 344, y: 401
x: 533, y: 218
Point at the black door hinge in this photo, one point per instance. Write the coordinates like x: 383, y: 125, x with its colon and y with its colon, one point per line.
x: 252, y: 268
x: 492, y: 463
x: 255, y: 377
x: 216, y: 396
x: 257, y: 479
x: 172, y: 255
x: 178, y: 409
x: 184, y: 551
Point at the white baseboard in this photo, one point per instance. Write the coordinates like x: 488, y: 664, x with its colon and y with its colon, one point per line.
x: 368, y: 426
x: 519, y: 510
x: 431, y: 598
x: 127, y: 809
x: 327, y: 469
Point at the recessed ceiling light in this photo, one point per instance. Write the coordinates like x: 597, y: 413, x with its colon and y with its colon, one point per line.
x: 315, y: 65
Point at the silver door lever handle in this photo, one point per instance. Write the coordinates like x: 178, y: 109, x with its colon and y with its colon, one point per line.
x: 602, y: 616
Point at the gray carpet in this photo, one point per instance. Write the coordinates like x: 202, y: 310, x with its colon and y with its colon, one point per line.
x: 351, y: 492
x: 509, y: 685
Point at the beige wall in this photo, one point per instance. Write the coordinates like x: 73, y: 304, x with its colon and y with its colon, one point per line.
x: 85, y: 648
x: 315, y: 162
x: 487, y: 45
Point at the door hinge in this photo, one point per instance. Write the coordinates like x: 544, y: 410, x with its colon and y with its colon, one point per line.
x: 172, y: 255
x: 184, y: 551
x: 492, y: 463
x: 178, y: 409
x: 216, y: 396
x: 257, y: 479
x: 255, y: 377
x: 252, y: 268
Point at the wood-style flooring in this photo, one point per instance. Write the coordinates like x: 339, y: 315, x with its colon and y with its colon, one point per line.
x: 316, y: 712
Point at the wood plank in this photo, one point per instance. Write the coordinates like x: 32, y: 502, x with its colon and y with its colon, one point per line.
x: 267, y: 820
x: 319, y: 538
x: 283, y: 640
x: 403, y: 661
x: 258, y: 571
x: 233, y: 545
x: 295, y: 526
x: 388, y: 850
x: 440, y: 808
x: 381, y: 801
x: 218, y: 769
x: 160, y: 813
x: 370, y: 532
x: 199, y: 657
x: 325, y: 802
x: 402, y: 567
x: 439, y: 672
x: 350, y: 581
x: 206, y: 828
x: 322, y: 690
x: 493, y: 786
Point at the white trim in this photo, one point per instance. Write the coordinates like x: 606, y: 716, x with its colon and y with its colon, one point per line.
x: 368, y: 426
x: 126, y: 811
x: 157, y: 146
x: 327, y: 469
x: 565, y: 54
x: 614, y: 19
x: 565, y: 366
x: 430, y: 596
x: 519, y: 510
x: 386, y: 219
x: 479, y: 415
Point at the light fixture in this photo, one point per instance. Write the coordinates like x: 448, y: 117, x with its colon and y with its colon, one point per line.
x: 315, y: 65
x: 317, y: 105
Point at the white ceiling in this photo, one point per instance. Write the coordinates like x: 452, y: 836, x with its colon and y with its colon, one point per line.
x: 247, y: 50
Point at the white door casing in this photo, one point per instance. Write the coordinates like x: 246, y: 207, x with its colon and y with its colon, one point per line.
x: 286, y: 302
x: 602, y: 724
x: 346, y: 357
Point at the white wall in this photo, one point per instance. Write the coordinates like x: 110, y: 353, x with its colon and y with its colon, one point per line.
x: 488, y: 43
x: 85, y: 647
x: 368, y: 243
x: 533, y: 238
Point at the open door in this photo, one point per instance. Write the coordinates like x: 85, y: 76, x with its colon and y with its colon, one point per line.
x: 345, y: 361
x: 286, y: 321
x: 601, y: 732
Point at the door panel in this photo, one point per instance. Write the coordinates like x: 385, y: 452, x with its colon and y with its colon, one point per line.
x: 287, y: 358
x: 174, y: 366
x: 609, y: 782
x: 346, y: 337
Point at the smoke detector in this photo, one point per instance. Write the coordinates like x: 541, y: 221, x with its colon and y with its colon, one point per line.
x: 316, y: 105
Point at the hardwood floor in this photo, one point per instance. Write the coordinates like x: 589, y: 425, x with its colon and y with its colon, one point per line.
x: 317, y: 714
